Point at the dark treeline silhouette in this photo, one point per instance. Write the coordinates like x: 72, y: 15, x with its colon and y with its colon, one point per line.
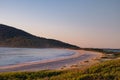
x: 12, y: 37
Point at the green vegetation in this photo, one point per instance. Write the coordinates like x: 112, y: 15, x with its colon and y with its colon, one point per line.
x: 117, y: 54
x: 12, y: 37
x: 107, y: 52
x: 109, y: 70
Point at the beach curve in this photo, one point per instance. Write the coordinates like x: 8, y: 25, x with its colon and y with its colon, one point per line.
x: 78, y: 58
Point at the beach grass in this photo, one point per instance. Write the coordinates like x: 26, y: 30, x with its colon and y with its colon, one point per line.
x: 108, y: 70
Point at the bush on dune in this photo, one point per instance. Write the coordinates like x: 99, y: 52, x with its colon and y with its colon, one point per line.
x: 108, y: 70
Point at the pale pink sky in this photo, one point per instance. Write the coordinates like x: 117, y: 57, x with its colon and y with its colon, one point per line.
x: 86, y: 23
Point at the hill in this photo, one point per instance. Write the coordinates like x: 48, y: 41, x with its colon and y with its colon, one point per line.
x: 12, y: 37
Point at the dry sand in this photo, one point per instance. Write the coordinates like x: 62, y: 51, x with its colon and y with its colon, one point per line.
x: 81, y: 58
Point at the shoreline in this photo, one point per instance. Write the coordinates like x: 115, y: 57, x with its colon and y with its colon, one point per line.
x: 78, y: 58
x: 75, y: 54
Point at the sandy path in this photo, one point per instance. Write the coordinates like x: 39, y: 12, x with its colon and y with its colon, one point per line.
x: 55, y: 64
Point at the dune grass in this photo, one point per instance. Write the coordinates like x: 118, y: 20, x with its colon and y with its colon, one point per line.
x: 109, y: 70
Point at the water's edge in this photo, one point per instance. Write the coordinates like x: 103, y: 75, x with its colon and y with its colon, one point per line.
x: 13, y: 56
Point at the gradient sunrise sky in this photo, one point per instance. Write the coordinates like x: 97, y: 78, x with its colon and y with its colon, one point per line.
x: 86, y: 23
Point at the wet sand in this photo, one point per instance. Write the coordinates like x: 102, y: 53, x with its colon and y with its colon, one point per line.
x: 81, y: 57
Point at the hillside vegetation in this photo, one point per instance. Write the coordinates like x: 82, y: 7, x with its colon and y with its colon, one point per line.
x: 12, y: 37
x: 114, y: 52
x: 109, y: 70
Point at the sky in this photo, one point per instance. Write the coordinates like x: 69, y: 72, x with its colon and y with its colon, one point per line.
x: 86, y: 23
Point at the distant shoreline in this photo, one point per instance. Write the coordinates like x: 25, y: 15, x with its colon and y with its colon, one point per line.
x: 78, y: 59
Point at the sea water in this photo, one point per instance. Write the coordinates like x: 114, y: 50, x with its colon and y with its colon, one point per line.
x: 10, y: 56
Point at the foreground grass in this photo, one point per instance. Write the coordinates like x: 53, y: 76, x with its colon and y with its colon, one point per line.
x: 109, y: 70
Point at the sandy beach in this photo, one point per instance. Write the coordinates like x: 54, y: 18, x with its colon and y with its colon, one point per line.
x: 81, y: 58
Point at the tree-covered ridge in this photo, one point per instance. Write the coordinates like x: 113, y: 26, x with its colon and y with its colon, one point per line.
x: 12, y: 37
x: 7, y: 32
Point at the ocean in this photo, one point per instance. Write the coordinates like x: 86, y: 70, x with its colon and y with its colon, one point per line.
x: 11, y: 56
